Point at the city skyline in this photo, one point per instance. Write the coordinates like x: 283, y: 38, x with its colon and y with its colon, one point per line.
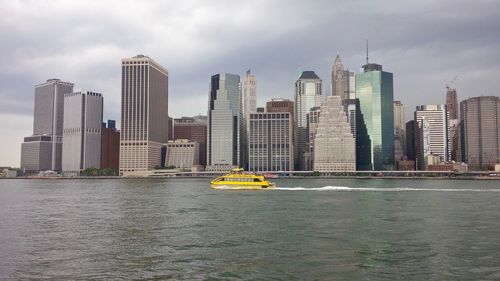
x: 462, y: 42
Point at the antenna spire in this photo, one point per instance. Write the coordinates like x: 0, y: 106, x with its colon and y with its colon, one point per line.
x: 366, y: 50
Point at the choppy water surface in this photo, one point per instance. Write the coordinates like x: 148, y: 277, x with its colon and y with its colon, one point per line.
x: 315, y: 229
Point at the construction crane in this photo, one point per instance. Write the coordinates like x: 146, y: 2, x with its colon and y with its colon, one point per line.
x: 448, y: 85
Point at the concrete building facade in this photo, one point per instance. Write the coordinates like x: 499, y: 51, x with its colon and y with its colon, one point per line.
x: 452, y: 102
x: 270, y: 144
x: 334, y: 143
x: 308, y: 91
x: 182, y: 153
x: 194, y: 129
x: 340, y: 80
x: 43, y: 150
x: 249, y: 104
x: 144, y: 114
x: 432, y: 133
x: 480, y: 132
x: 110, y: 147
x: 81, y: 132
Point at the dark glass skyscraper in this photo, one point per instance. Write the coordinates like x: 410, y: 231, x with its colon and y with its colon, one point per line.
x: 374, y: 89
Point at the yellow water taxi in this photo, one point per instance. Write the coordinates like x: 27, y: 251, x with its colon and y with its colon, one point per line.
x: 238, y: 179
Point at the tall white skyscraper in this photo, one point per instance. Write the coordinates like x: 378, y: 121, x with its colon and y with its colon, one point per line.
x: 224, y: 122
x: 81, y: 132
x: 334, y: 143
x: 43, y: 150
x: 308, y: 89
x: 249, y: 105
x: 144, y: 114
x: 432, y: 132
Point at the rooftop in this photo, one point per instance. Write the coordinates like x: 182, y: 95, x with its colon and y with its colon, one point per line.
x: 308, y: 75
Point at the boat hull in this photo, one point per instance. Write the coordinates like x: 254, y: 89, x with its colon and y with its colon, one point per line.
x: 241, y: 187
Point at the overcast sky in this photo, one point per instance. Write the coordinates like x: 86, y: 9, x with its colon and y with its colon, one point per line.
x: 424, y: 43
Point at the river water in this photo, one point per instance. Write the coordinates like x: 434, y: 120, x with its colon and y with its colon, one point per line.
x: 308, y: 229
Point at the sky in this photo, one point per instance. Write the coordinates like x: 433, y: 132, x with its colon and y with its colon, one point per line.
x: 424, y: 43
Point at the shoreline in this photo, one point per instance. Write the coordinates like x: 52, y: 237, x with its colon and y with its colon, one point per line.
x: 288, y: 177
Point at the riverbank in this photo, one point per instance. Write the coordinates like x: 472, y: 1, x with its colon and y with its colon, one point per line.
x: 284, y: 177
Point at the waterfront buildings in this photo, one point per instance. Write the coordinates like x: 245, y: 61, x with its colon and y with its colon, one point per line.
x: 358, y: 129
x: 480, y: 132
x: 249, y: 95
x: 410, y: 140
x: 224, y: 122
x: 110, y: 146
x: 452, y: 102
x: 340, y: 80
x: 144, y: 114
x: 374, y: 89
x: 249, y: 104
x: 270, y: 143
x: 334, y: 144
x: 43, y: 150
x: 399, y: 130
x: 432, y: 132
x: 308, y: 89
x: 81, y: 132
x: 312, y: 125
x: 194, y: 129
x: 281, y: 105
x: 182, y: 153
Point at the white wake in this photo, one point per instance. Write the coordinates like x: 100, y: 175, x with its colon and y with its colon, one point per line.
x: 385, y: 189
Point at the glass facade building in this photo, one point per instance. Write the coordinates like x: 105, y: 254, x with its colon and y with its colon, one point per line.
x: 224, y: 122
x: 374, y: 89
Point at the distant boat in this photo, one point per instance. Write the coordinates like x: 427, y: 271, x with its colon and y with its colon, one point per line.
x: 272, y: 176
x: 238, y: 179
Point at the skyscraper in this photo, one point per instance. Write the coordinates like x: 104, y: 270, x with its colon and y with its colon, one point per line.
x: 308, y: 90
x: 374, y: 89
x: 224, y: 122
x: 358, y: 129
x: 480, y: 132
x: 82, y: 132
x: 110, y: 147
x: 270, y: 143
x: 194, y: 129
x: 280, y: 105
x: 399, y: 130
x: 249, y: 104
x: 432, y: 133
x: 334, y: 144
x: 451, y: 102
x: 452, y: 106
x: 144, y: 114
x: 410, y: 140
x: 312, y: 125
x: 340, y: 80
x: 43, y: 150
x: 249, y: 94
